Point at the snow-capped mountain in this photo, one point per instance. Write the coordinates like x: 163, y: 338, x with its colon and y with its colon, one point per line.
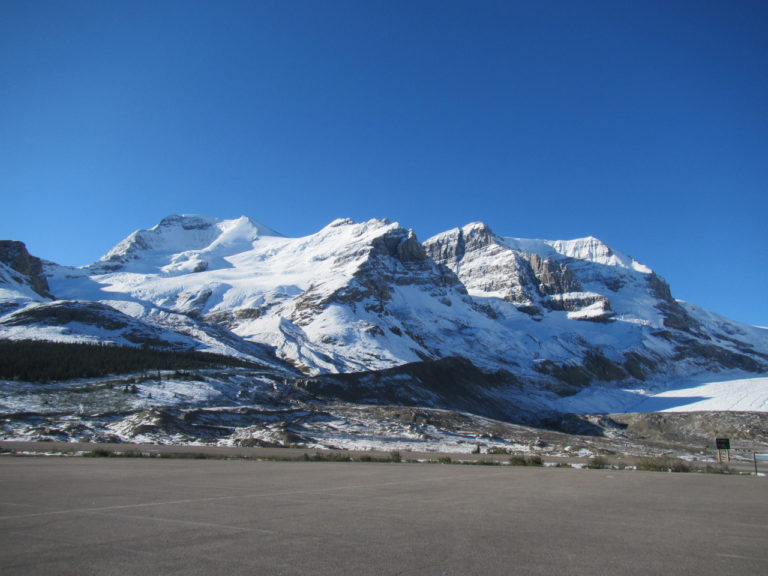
x: 602, y: 315
x: 560, y: 315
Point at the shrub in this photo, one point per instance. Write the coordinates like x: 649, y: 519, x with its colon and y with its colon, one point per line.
x: 651, y: 464
x: 98, y: 453
x: 394, y: 456
x: 327, y: 457
x: 663, y: 464
x: 520, y: 460
x: 598, y: 463
x: 680, y: 466
x: 444, y: 460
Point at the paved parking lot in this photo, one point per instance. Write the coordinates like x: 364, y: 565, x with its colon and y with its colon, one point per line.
x: 69, y: 515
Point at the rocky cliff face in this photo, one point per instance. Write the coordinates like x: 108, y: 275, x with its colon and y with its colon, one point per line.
x: 395, y: 259
x: 489, y: 266
x: 29, y: 268
x: 645, y: 330
x: 553, y: 278
x: 483, y: 265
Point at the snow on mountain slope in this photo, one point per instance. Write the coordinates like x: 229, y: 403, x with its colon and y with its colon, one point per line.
x: 350, y: 297
x: 589, y: 248
x: 21, y: 279
x: 183, y: 244
x: 92, y: 322
x: 752, y: 339
x: 571, y: 297
x: 558, y: 315
x: 583, y: 277
x: 613, y: 318
x: 15, y: 290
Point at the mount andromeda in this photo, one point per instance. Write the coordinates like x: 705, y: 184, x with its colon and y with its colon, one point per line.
x: 509, y: 329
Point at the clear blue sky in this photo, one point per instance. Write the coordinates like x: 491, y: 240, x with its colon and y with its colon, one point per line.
x: 642, y: 123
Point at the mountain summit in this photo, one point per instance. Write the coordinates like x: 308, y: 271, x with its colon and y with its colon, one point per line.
x: 560, y: 316
x: 181, y: 243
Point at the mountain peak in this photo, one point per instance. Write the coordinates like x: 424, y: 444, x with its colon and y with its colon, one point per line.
x: 200, y: 222
x: 589, y: 248
x: 476, y: 226
x: 341, y: 222
x: 186, y: 221
x: 597, y: 251
x: 176, y: 234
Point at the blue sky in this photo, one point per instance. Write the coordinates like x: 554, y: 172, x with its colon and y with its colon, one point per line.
x: 642, y: 123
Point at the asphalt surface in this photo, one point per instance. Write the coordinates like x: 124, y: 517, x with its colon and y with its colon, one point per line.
x: 68, y: 515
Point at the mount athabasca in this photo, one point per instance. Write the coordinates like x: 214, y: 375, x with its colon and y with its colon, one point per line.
x: 360, y: 335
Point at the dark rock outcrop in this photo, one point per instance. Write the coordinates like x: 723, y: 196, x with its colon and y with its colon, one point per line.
x: 15, y: 255
x: 675, y: 316
x: 553, y: 278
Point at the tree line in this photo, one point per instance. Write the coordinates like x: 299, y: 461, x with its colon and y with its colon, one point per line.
x: 43, y: 361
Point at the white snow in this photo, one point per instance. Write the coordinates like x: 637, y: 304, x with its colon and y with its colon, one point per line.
x: 740, y: 393
x: 590, y: 249
x: 745, y: 394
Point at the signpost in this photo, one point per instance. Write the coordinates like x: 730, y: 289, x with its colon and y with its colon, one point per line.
x: 761, y: 457
x: 723, y: 444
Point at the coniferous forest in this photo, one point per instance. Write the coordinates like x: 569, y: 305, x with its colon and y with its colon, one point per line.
x: 42, y: 361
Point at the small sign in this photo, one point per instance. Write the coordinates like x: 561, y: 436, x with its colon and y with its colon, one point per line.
x: 723, y: 443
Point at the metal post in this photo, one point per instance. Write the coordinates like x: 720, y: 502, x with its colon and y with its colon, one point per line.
x: 754, y: 456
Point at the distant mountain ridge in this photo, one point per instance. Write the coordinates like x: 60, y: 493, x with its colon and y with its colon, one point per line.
x: 558, y: 316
